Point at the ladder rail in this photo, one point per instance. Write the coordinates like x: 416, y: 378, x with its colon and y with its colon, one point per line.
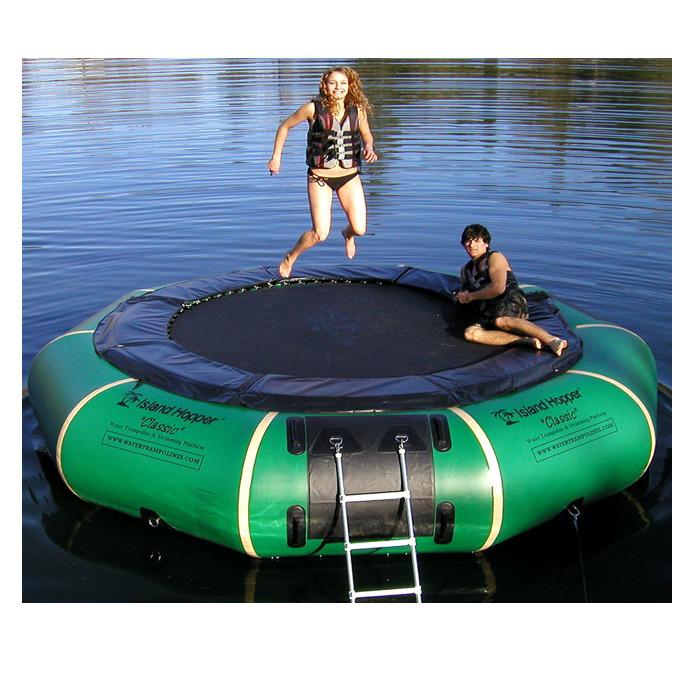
x: 409, y: 513
x: 337, y: 443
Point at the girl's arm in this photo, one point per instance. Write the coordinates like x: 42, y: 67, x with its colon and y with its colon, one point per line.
x: 367, y: 139
x: 305, y: 112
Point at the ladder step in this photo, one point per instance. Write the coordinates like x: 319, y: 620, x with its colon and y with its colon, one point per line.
x: 408, y: 542
x: 379, y: 496
x: 414, y: 590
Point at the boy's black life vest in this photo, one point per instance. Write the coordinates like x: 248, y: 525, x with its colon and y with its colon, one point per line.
x: 330, y: 142
x: 475, y: 275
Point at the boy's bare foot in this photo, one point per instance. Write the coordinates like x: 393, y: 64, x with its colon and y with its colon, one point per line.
x: 557, y: 345
x: 285, y: 267
x: 529, y: 342
x: 349, y: 245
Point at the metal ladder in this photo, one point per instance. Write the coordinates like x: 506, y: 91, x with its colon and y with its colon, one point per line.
x: 410, y: 541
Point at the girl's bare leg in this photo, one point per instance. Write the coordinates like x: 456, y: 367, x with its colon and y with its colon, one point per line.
x: 352, y: 198
x: 320, y: 200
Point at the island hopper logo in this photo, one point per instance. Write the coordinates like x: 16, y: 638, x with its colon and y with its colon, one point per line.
x: 508, y: 417
x: 516, y: 415
x: 130, y: 398
x: 135, y: 399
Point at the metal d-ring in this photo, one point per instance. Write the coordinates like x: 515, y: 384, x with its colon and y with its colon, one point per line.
x: 574, y: 511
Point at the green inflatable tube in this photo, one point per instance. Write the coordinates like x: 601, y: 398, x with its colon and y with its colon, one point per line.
x: 225, y: 473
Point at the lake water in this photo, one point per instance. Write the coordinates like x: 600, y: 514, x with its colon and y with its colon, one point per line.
x: 140, y: 172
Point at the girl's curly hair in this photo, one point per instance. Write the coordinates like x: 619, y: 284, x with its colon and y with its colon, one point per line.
x: 355, y: 96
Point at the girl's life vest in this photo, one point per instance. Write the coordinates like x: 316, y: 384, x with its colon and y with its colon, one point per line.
x: 330, y: 142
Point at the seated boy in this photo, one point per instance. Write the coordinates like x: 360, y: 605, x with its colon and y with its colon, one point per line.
x: 489, y: 284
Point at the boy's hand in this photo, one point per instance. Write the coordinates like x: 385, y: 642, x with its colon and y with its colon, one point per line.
x: 464, y: 297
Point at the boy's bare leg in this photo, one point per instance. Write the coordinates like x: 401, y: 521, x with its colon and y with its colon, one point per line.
x: 477, y: 334
x: 527, y: 328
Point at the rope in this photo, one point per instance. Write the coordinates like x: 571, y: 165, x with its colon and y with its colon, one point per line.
x: 574, y: 511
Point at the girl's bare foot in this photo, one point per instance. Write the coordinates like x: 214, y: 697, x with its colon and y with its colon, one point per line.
x: 285, y: 267
x: 349, y: 245
x: 557, y: 345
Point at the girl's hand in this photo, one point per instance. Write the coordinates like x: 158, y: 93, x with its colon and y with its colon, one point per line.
x: 369, y: 155
x: 274, y: 165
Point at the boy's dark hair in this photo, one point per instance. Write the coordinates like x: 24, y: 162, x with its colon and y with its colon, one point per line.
x: 475, y: 231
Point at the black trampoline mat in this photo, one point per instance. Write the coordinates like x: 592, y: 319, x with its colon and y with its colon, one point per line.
x: 343, y: 330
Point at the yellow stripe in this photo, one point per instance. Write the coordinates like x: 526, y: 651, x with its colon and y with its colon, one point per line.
x: 635, y: 398
x: 609, y: 325
x: 494, y: 475
x: 65, y: 335
x: 246, y: 481
x: 78, y: 407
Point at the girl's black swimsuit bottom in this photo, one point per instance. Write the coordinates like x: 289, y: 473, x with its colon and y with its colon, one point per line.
x: 335, y: 183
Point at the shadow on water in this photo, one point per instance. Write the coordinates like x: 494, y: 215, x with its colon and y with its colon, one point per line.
x: 625, y: 552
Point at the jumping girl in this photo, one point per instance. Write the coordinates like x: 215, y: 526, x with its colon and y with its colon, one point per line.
x: 338, y: 137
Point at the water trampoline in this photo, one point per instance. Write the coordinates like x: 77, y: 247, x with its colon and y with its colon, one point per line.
x: 212, y: 406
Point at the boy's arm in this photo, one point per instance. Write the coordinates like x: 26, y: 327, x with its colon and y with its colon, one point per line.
x: 498, y: 272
